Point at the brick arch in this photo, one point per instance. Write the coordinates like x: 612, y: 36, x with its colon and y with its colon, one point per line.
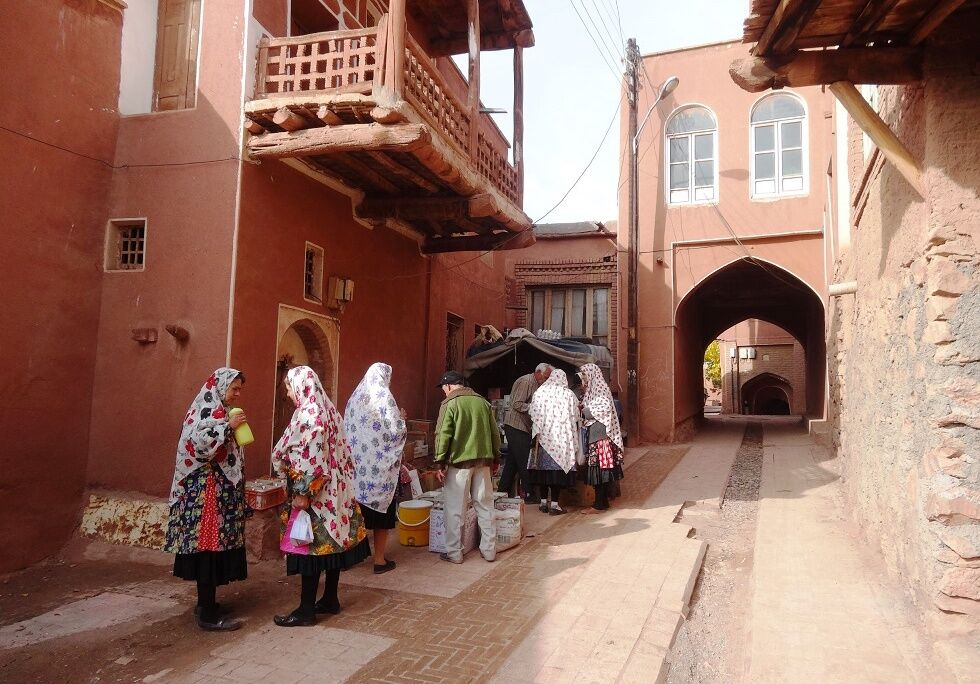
x: 757, y: 390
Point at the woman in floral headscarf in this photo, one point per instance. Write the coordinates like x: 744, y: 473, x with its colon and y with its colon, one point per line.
x: 605, y: 457
x: 555, y: 429
x: 314, y: 458
x: 376, y: 434
x: 207, y: 497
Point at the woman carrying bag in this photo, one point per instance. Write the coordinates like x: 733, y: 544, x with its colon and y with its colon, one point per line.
x: 555, y: 429
x: 206, y: 529
x: 315, y: 459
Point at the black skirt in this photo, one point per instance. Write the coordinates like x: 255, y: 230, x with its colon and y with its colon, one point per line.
x: 551, y: 478
x: 594, y: 475
x: 380, y: 521
x: 298, y: 564
x: 212, y: 567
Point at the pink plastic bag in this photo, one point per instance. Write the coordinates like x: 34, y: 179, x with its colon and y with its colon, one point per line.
x: 287, y: 545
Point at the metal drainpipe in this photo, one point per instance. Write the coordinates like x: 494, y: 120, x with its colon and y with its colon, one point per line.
x: 838, y: 289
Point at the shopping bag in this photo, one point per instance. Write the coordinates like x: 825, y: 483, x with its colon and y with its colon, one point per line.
x: 415, y: 483
x: 582, y: 447
x: 299, y: 525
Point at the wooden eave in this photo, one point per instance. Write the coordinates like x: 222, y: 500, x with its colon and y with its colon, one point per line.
x: 504, y: 24
x: 780, y: 27
x: 407, y: 176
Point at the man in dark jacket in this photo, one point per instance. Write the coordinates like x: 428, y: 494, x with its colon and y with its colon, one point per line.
x: 517, y: 427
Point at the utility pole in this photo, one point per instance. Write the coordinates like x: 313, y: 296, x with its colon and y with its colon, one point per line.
x: 632, y: 316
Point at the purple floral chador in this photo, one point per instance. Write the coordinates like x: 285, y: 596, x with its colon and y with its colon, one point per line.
x: 376, y: 434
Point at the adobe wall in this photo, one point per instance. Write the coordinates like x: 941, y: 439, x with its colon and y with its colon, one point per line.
x: 905, y: 350
x: 179, y: 170
x: 62, y: 94
x: 674, y: 255
x: 281, y: 210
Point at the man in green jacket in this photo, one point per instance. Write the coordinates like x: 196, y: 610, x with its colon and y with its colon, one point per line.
x: 467, y: 446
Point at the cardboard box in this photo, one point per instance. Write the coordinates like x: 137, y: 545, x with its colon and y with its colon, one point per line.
x: 437, y: 530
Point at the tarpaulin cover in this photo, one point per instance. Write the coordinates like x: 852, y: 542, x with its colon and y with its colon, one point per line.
x: 522, y: 351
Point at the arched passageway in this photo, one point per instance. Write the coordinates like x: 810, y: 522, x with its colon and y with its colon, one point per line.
x: 304, y: 343
x: 767, y: 394
x: 747, y: 289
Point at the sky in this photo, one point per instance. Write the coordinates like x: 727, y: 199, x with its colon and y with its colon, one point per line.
x: 571, y: 93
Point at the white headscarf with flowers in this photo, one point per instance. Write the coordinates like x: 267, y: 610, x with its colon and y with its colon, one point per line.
x: 206, y: 436
x: 599, y: 400
x: 555, y: 418
x: 376, y: 434
x: 314, y: 455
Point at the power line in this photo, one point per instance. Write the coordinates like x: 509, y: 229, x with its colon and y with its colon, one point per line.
x: 605, y: 26
x: 602, y: 54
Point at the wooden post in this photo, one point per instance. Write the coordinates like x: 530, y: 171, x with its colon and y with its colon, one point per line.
x: 395, y: 67
x: 473, y: 100
x: 879, y: 132
x: 519, y: 120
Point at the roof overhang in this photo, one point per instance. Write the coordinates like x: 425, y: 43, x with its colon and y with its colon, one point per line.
x: 504, y: 24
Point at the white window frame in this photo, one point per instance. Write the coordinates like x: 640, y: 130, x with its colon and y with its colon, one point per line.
x: 777, y: 150
x: 692, y: 200
x: 317, y: 273
x: 110, y: 259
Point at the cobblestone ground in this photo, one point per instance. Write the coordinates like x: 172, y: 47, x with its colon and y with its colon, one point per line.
x: 129, y: 622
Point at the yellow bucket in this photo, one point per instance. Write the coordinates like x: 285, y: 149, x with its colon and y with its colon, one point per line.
x: 413, y: 522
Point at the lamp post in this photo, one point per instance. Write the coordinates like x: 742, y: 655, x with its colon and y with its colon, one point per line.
x: 632, y: 341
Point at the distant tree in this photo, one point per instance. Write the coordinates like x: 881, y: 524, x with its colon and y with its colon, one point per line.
x: 712, y: 363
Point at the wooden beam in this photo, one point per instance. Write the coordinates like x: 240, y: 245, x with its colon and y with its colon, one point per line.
x: 372, y: 176
x: 867, y: 23
x: 327, y: 116
x: 428, y: 208
x: 785, y: 25
x: 254, y: 127
x: 884, y: 65
x: 518, y: 142
x: 339, y: 139
x: 473, y: 76
x: 289, y: 120
x: 395, y: 61
x: 404, y: 172
x: 501, y: 40
x: 933, y: 19
x: 880, y: 133
x: 478, y: 243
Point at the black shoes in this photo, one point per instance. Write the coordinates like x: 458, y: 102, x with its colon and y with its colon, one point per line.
x: 388, y: 566
x: 222, y: 625
x: 322, y: 607
x: 294, y: 620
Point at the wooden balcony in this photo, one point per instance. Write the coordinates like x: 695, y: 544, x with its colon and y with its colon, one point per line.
x: 370, y: 110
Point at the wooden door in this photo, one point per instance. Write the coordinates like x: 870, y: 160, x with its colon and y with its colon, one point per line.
x: 175, y: 77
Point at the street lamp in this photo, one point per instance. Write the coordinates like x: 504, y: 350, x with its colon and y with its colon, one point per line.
x: 632, y: 341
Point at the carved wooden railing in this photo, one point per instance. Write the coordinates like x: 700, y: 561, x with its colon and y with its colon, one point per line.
x: 352, y: 61
x: 331, y: 61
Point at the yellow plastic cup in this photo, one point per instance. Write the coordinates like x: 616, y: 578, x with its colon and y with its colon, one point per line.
x: 243, y: 433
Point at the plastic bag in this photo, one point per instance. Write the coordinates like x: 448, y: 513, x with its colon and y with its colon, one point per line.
x: 299, y: 525
x: 416, y: 485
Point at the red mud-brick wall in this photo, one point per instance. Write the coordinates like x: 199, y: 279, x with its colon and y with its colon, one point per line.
x: 61, y: 83
x: 905, y: 350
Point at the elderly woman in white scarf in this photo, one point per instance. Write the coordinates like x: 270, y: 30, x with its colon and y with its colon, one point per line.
x: 376, y: 433
x: 206, y: 530
x: 604, y: 459
x: 555, y: 430
x: 315, y: 459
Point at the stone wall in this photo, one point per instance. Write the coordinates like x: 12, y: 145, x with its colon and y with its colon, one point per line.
x: 904, y: 351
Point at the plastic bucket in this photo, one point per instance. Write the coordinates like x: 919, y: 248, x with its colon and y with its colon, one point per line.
x: 413, y: 522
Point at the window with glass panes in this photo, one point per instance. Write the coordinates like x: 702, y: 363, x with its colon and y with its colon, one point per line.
x: 692, y: 141
x: 571, y: 311
x: 778, y: 150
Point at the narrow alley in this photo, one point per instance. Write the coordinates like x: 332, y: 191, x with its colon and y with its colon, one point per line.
x: 584, y: 598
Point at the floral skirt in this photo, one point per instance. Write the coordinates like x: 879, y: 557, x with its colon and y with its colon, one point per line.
x: 604, y: 464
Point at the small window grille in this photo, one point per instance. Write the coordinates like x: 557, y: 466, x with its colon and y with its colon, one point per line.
x: 313, y: 274
x: 126, y: 245
x: 454, y: 342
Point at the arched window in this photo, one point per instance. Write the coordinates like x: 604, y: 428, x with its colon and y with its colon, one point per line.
x: 692, y: 150
x: 778, y: 149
